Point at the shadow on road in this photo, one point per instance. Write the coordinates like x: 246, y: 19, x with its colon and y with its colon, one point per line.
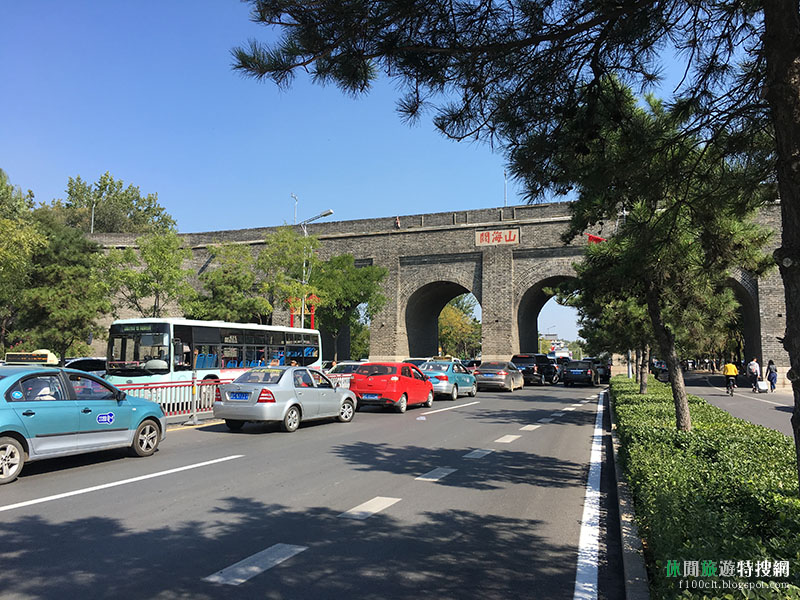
x: 452, y: 554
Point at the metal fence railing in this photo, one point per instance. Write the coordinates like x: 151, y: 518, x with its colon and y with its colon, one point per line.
x: 180, y: 400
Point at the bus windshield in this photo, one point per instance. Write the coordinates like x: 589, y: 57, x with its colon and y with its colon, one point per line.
x: 138, y: 353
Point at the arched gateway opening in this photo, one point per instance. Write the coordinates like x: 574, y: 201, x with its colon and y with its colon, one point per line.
x: 530, y: 305
x: 422, y: 316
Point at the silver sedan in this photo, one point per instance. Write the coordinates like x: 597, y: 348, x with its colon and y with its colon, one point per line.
x: 287, y: 395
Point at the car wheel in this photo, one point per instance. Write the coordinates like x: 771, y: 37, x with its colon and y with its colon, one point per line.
x: 454, y: 392
x: 401, y: 404
x: 234, y: 424
x: 510, y: 385
x: 12, y: 459
x: 347, y: 412
x: 145, y: 439
x: 291, y: 421
x: 429, y: 401
x: 555, y: 379
x: 473, y: 391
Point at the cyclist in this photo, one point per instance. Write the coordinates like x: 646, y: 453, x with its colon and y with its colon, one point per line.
x: 730, y: 372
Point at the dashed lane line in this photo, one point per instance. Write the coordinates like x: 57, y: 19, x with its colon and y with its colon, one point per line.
x: 255, y: 565
x: 435, y: 475
x: 369, y: 508
x: 546, y: 420
x: 507, y: 439
x: 478, y: 453
x: 529, y: 427
x: 558, y: 414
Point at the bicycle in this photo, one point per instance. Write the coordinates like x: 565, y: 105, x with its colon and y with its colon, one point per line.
x: 730, y: 384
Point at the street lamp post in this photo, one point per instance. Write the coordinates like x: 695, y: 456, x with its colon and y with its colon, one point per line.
x: 306, y: 274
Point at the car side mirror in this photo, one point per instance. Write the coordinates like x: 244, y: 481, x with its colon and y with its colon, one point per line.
x: 121, y: 395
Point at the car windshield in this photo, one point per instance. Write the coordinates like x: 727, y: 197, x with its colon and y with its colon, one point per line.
x: 434, y: 366
x: 579, y: 364
x: 493, y: 365
x: 344, y: 368
x: 260, y: 376
x: 370, y: 370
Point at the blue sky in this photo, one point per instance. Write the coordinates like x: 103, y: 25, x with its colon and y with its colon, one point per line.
x: 145, y: 90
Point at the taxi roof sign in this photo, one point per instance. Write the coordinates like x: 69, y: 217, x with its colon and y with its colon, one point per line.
x: 37, y: 357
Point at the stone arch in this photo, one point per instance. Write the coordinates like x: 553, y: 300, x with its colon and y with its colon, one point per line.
x: 430, y: 282
x: 745, y: 289
x: 529, y: 307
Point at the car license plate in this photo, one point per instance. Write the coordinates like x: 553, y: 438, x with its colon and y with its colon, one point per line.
x: 576, y: 372
x: 490, y: 374
x: 370, y: 396
x: 239, y: 395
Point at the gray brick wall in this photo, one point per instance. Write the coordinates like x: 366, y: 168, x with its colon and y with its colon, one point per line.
x: 434, y: 257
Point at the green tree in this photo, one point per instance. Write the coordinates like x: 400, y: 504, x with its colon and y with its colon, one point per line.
x: 689, y: 222
x: 14, y: 203
x: 19, y: 239
x: 359, y: 338
x: 342, y: 288
x: 117, y: 209
x: 151, y: 277
x: 286, y: 265
x: 459, y: 331
x: 66, y: 295
x: 231, y: 288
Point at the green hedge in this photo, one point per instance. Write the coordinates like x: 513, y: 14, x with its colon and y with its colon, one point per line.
x: 726, y: 491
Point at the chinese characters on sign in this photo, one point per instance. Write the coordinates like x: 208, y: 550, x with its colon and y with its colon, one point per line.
x: 691, y: 574
x: 497, y: 237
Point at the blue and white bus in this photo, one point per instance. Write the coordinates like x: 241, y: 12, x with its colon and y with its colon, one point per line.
x: 170, y: 349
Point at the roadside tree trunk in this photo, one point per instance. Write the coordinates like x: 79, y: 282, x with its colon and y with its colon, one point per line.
x: 782, y: 51
x: 666, y: 344
x: 643, y: 369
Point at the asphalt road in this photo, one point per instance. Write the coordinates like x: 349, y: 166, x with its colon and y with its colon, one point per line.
x: 461, y: 503
x: 773, y: 410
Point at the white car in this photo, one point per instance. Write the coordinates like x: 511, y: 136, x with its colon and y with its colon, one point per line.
x: 286, y: 395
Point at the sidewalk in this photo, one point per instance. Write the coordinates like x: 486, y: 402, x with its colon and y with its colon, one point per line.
x: 773, y: 410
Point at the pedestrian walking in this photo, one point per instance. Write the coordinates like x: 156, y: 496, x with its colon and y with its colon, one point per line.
x: 754, y: 372
x: 772, y: 375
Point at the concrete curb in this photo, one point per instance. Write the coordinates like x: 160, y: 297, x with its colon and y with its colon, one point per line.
x: 635, y: 573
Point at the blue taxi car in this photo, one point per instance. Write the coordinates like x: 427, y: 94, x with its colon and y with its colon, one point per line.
x: 449, y: 378
x: 46, y: 412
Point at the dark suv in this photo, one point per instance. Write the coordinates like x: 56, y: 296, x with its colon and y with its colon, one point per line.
x: 536, y: 368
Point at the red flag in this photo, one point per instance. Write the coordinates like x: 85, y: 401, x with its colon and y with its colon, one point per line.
x: 595, y: 239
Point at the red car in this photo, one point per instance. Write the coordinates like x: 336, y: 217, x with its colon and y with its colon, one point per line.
x: 391, y: 384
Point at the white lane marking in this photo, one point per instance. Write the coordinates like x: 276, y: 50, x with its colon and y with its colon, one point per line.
x: 507, y: 439
x: 529, y: 427
x: 478, y: 453
x: 577, y: 404
x: 369, y: 508
x: 590, y: 398
x: 255, y: 565
x: 558, y: 414
x: 547, y: 420
x: 435, y: 475
x: 586, y: 575
x: 430, y: 412
x: 569, y: 408
x: 116, y: 483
